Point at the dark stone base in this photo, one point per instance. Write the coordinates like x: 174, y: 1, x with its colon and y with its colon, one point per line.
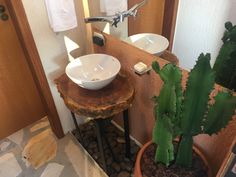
x: 122, y: 167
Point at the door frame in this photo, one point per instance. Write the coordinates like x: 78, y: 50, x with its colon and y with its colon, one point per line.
x: 169, y: 20
x: 19, y: 18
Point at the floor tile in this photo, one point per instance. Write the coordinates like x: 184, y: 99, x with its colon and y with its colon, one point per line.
x: 39, y: 126
x: 4, y: 145
x: 82, y: 162
x: 52, y: 170
x: 9, y: 166
x: 17, y: 137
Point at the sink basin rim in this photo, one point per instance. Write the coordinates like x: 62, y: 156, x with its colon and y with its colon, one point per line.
x: 133, y: 39
x: 84, y: 75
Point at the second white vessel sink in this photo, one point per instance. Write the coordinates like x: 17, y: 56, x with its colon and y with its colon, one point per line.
x: 150, y: 42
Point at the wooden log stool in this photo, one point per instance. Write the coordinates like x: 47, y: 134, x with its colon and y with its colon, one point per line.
x: 99, y: 104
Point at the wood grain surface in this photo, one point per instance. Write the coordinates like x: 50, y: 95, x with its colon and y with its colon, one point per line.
x: 149, y: 18
x: 40, y: 149
x: 169, y: 20
x: 103, y: 103
x: 20, y: 101
x: 170, y: 57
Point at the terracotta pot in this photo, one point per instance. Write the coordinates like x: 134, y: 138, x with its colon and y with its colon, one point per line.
x: 137, y: 168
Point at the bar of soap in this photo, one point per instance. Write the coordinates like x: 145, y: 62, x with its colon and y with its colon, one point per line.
x: 140, y: 67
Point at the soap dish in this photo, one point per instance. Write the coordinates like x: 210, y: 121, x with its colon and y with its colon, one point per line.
x: 141, y: 68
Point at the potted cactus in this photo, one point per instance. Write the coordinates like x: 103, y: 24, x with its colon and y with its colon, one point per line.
x: 226, y: 60
x: 184, y: 114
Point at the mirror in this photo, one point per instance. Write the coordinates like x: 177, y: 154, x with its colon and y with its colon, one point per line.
x: 198, y: 21
x: 147, y: 11
x: 192, y: 27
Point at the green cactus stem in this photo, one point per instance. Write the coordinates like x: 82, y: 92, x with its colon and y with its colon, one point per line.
x: 199, y: 85
x: 167, y: 110
x: 184, y: 156
x: 220, y: 113
x: 225, y: 65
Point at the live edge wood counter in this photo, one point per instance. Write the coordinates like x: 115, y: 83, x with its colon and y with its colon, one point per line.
x: 104, y: 103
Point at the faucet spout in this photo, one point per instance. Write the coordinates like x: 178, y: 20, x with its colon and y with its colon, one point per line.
x: 118, y: 17
x: 98, y: 19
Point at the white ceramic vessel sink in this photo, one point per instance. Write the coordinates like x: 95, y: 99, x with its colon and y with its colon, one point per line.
x: 150, y: 42
x: 93, y: 71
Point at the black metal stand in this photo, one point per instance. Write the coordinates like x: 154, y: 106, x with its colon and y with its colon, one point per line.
x: 100, y: 144
x: 102, y: 123
x: 126, y: 128
x: 77, y: 127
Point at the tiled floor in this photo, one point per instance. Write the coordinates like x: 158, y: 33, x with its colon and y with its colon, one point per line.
x: 35, y: 152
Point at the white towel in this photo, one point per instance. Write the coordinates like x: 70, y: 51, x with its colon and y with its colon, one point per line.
x: 111, y: 7
x: 61, y: 14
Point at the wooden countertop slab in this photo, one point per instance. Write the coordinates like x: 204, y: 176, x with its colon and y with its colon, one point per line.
x: 104, y: 103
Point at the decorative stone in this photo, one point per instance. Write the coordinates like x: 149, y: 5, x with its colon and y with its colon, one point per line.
x: 120, y: 140
x: 128, y: 167
x: 123, y: 174
x: 114, y: 175
x: 92, y: 145
x: 123, y: 166
x: 109, y: 161
x: 126, y: 159
x: 116, y: 166
x: 134, y: 149
x: 113, y: 144
x: 95, y: 155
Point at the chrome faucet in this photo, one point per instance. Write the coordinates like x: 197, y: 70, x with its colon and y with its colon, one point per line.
x: 118, y: 17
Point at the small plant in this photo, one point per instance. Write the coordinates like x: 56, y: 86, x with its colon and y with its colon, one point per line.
x: 225, y: 65
x: 187, y: 113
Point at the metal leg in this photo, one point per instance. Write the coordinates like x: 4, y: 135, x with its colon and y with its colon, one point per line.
x: 100, y: 144
x: 126, y: 127
x: 77, y: 126
x: 75, y: 121
x: 105, y: 138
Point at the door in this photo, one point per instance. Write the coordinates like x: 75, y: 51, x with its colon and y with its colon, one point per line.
x: 20, y: 102
x: 149, y: 17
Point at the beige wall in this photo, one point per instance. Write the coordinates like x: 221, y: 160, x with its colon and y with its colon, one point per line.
x: 52, y: 49
x: 200, y: 27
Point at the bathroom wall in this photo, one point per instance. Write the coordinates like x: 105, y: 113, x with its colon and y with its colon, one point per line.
x: 199, y: 28
x: 52, y: 48
x: 120, y: 32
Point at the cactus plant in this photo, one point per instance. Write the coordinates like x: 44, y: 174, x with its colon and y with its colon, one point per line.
x: 187, y: 113
x: 225, y: 65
